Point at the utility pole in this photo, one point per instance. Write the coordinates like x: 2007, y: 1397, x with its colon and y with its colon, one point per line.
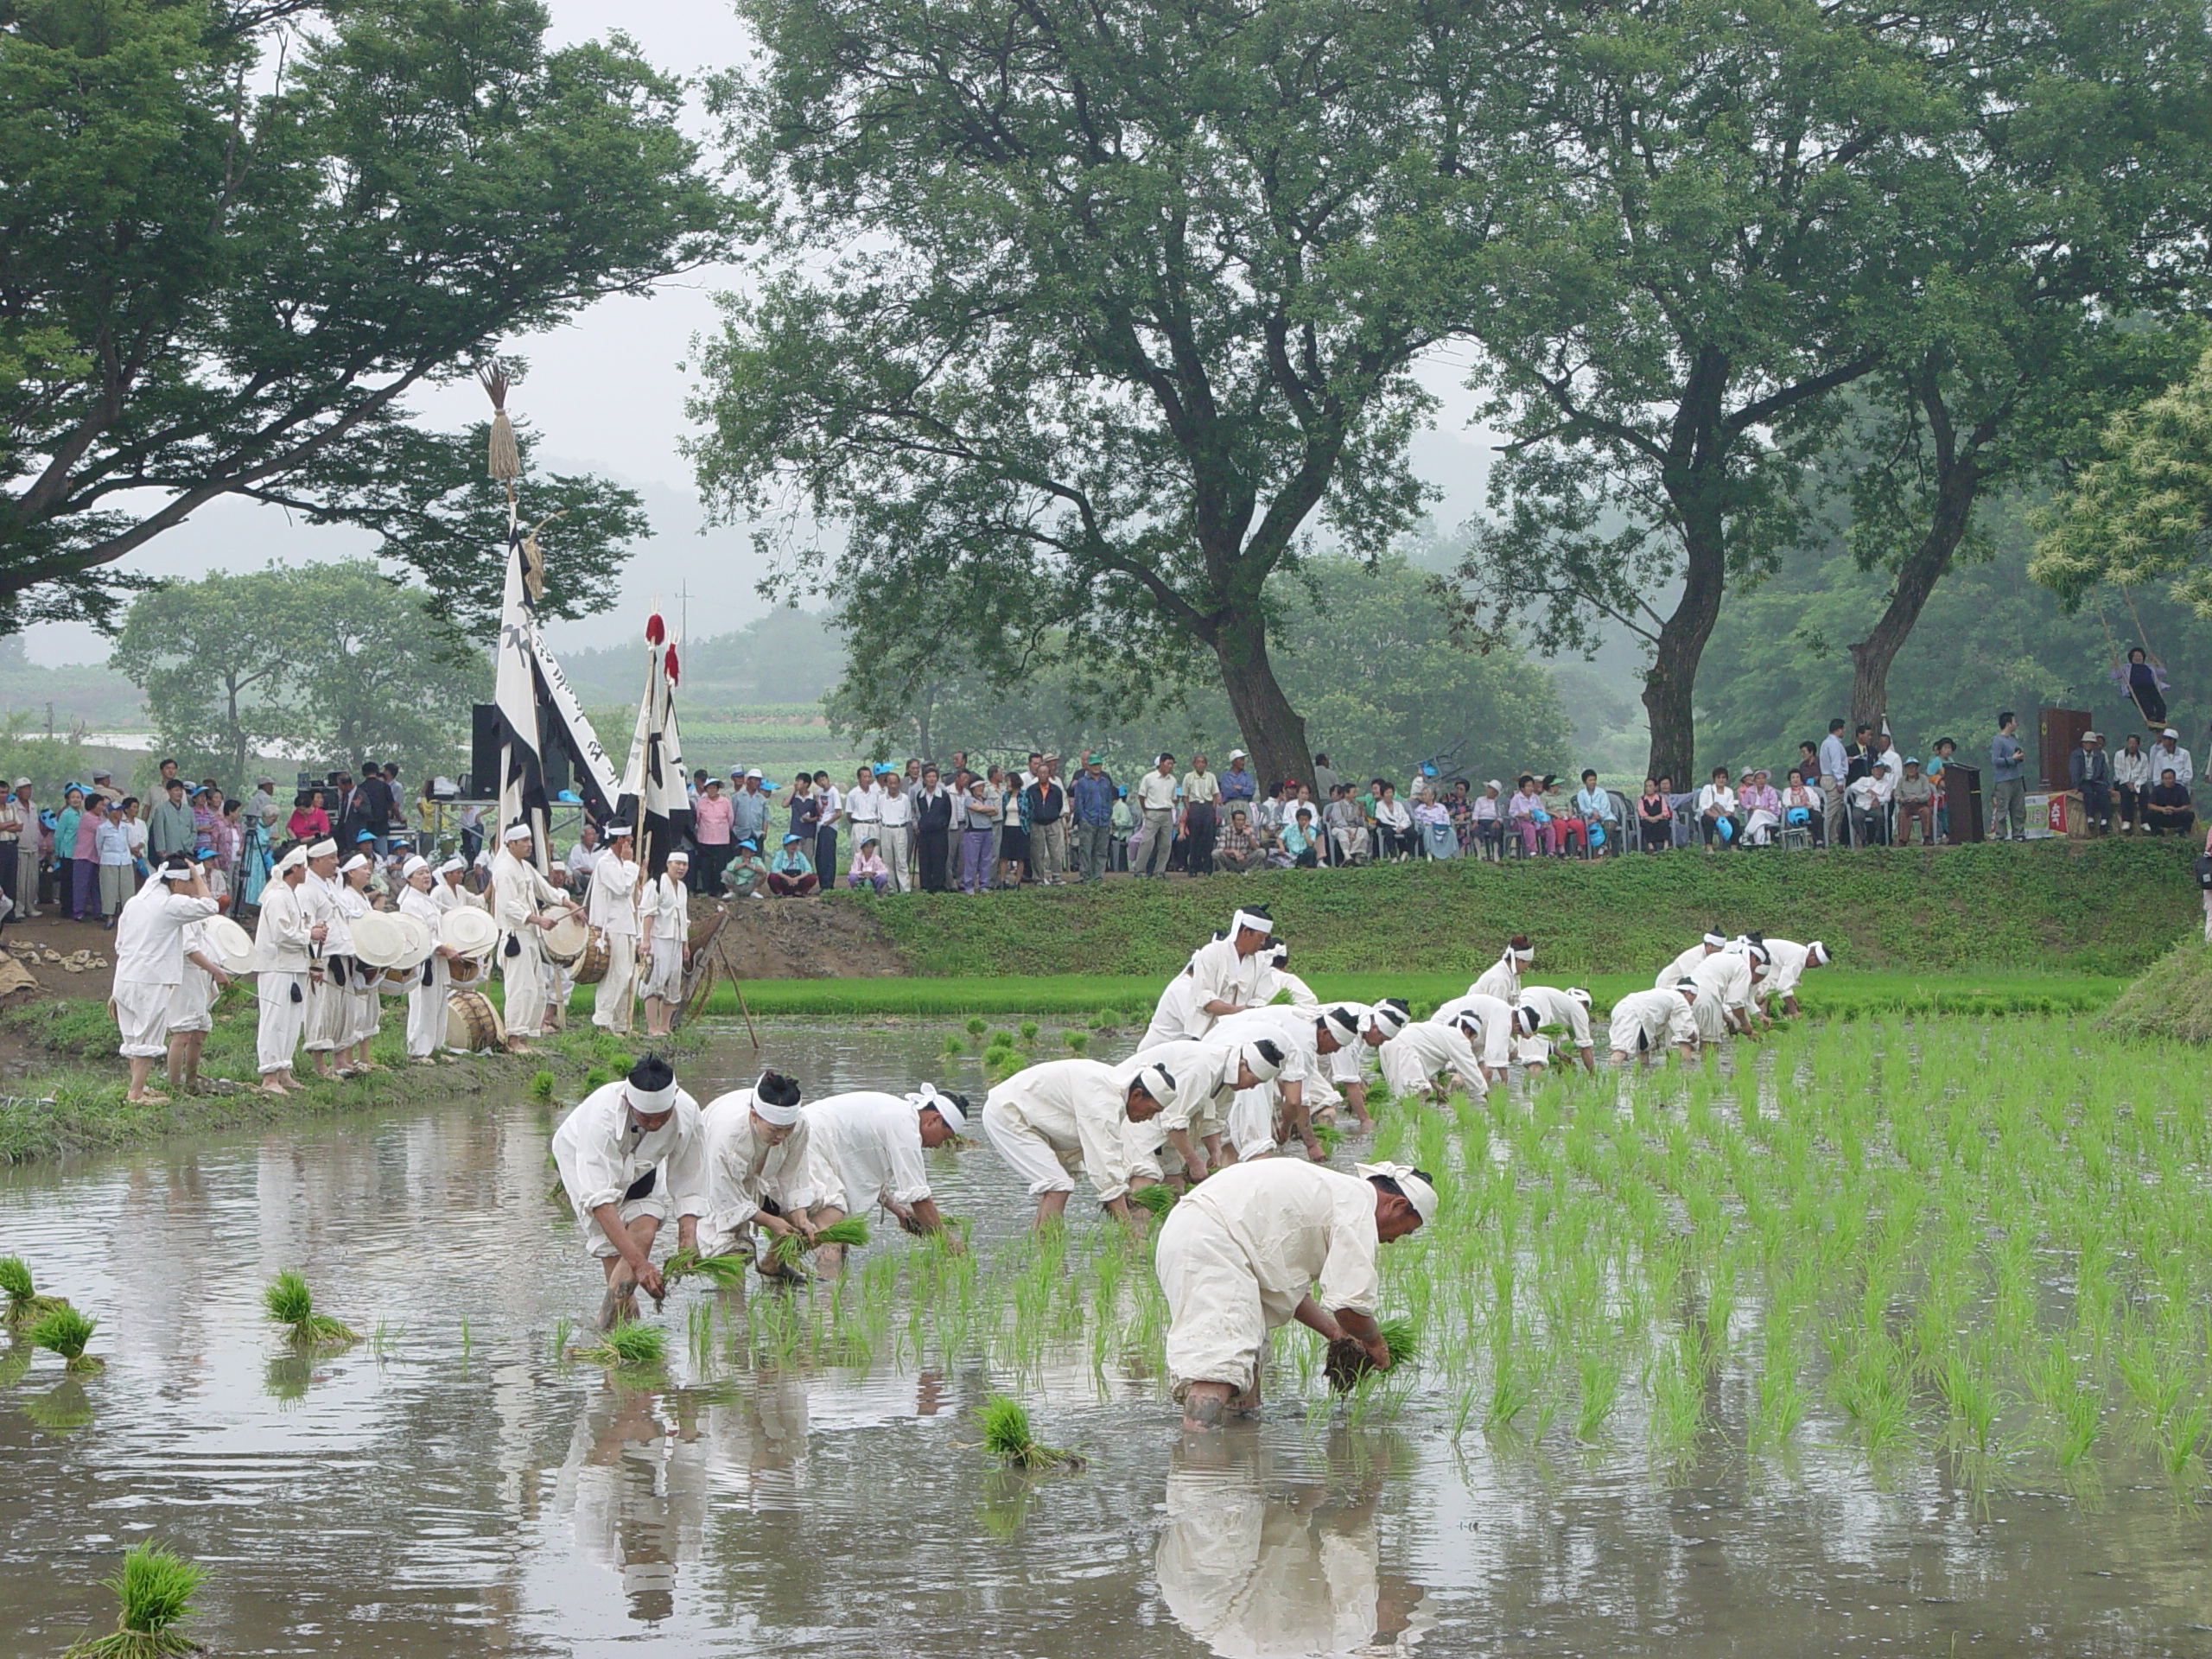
x: 684, y: 612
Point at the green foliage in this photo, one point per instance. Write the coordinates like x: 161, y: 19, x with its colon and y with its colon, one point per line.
x: 288, y: 1301
x: 65, y: 1331
x: 2172, y: 1000
x: 540, y: 1085
x: 1007, y: 1437
x: 850, y: 1233
x: 724, y: 1272
x: 155, y: 1587
x: 1158, y: 1198
x: 217, y: 270
x: 16, y: 1281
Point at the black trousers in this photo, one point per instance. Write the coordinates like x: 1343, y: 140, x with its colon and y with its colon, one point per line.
x: 1200, y: 825
x: 930, y: 848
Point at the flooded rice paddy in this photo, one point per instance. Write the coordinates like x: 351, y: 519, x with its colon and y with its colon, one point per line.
x: 1660, y: 1414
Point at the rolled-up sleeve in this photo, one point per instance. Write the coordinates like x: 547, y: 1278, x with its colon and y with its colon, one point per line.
x: 1348, y: 1280
x: 910, y: 1175
x: 1682, y: 1024
x: 685, y: 1169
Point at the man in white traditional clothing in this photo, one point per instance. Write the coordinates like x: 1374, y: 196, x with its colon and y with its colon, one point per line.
x: 192, y: 1007
x: 1066, y: 1117
x: 1208, y: 1073
x: 1422, y: 1060
x: 1725, y: 981
x: 1281, y: 979
x: 1262, y: 1244
x: 1378, y: 1024
x: 762, y: 1170
x: 664, y: 921
x: 1176, y: 1016
x: 1568, y: 1011
x: 360, y: 1008
x: 1645, y: 1022
x: 1788, y: 962
x: 1498, y: 1027
x: 326, y: 990
x: 560, y: 976
x: 632, y: 1154
x: 149, y: 943
x: 874, y: 1142
x: 1501, y: 979
x: 611, y: 906
x: 428, y: 996
x: 1263, y: 1119
x: 1680, y: 969
x: 525, y: 903
x: 1232, y: 974
x: 285, y: 943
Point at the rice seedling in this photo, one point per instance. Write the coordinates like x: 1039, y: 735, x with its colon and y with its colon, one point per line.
x: 634, y: 1347
x: 288, y: 1302
x: 1001, y: 1039
x: 1598, y: 1373
x: 65, y: 1331
x: 1077, y: 1042
x: 788, y: 1250
x: 1330, y: 1137
x: 1106, y: 1019
x: 15, y: 1362
x: 597, y: 1077
x: 25, y: 1306
x: 155, y: 1588
x: 976, y: 1027
x: 540, y: 1085
x: 953, y: 1048
x: 1158, y: 1198
x: 1007, y: 1437
x: 563, y: 1328
x: 1349, y: 1364
x: 723, y: 1272
x: 1029, y: 1029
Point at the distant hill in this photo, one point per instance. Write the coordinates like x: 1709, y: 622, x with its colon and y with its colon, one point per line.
x: 787, y: 656
x: 84, y: 696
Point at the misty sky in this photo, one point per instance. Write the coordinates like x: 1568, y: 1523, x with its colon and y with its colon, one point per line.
x: 607, y: 394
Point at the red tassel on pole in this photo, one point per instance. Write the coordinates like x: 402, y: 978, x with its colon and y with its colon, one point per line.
x: 655, y: 632
x: 671, y: 665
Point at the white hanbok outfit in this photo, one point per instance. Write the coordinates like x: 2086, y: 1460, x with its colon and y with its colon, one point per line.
x: 1177, y: 1016
x: 1240, y: 1252
x: 664, y: 912
x: 281, y: 958
x: 1553, y: 1007
x: 1651, y: 1019
x: 1254, y: 1113
x: 1724, y: 983
x: 192, y: 1005
x: 612, y: 907
x: 607, y: 1156
x: 1496, y: 1016
x: 519, y: 892
x: 362, y: 1008
x: 1681, y: 968
x: 1279, y: 980
x: 1786, y: 962
x: 326, y: 997
x: 1502, y: 980
x: 868, y: 1144
x: 427, y: 997
x: 1205, y: 1087
x: 746, y: 1173
x: 1219, y: 975
x: 1060, y: 1119
x: 1412, y: 1060
x: 149, y: 934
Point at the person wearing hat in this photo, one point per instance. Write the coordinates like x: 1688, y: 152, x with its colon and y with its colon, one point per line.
x: 631, y: 1155
x: 286, y: 941
x: 2088, y: 774
x: 1916, y: 802
x: 611, y: 906
x: 1054, y: 1121
x: 761, y: 1171
x: 2168, y: 755
x: 715, y: 829
x: 1232, y: 973
x: 665, y: 940
x: 875, y: 1144
x: 1209, y: 1075
x: 977, y: 816
x: 1567, y: 1010
x: 790, y: 873
x: 150, y: 947
x: 1091, y: 797
x: 525, y: 903
x: 1237, y: 782
x: 1260, y: 1245
x: 1155, y: 794
x: 746, y: 876
x: 1501, y: 979
x: 1645, y: 1022
x: 868, y: 870
x: 332, y: 967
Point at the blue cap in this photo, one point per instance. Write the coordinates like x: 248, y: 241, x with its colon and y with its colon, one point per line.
x: 790, y: 838
x: 203, y: 851
x: 365, y: 834
x: 569, y: 797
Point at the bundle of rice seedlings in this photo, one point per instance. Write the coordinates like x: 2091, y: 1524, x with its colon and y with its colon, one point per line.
x: 540, y: 1085
x: 1329, y: 1136
x: 1348, y: 1363
x: 1157, y: 1199
x: 66, y: 1331
x: 851, y: 1232
x: 953, y: 1046
x: 636, y: 1344
x: 1078, y: 1041
x: 597, y: 1077
x: 977, y: 1027
x: 724, y: 1271
x: 1029, y: 1029
x: 1007, y: 1437
x: 25, y: 1306
x: 289, y: 1302
x: 155, y: 1587
x: 1106, y: 1019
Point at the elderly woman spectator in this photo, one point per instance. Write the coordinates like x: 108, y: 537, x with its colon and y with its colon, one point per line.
x: 1574, y: 832
x: 308, y: 821
x: 1594, y: 806
x: 1716, y: 810
x: 1760, y: 803
x: 1526, y: 817
x: 1393, y: 822
x: 1916, y: 803
x: 1654, y: 818
x: 1487, y: 822
x: 2133, y: 777
x: 1433, y: 827
x: 1347, y: 825
x: 868, y: 868
x: 1801, y: 805
x: 1235, y: 850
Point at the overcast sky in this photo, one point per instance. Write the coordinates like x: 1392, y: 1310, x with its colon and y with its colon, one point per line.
x: 607, y: 394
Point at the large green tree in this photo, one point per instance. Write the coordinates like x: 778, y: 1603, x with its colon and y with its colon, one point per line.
x: 224, y: 267
x: 330, y: 664
x: 1079, y: 318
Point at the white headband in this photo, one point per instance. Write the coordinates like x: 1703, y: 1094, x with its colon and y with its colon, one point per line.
x: 1258, y: 924
x: 1818, y: 953
x: 455, y: 866
x: 324, y: 848
x: 651, y: 1101
x: 1158, y: 1081
x: 777, y: 1116
x: 1343, y: 1024
x: 172, y: 874
x: 1263, y: 1068
x: 295, y: 860
x: 414, y: 866
x: 1578, y: 994
x: 1390, y: 1016
x: 926, y: 1098
x: 1715, y: 940
x: 358, y: 862
x: 1417, y: 1192
x: 1527, y: 1019
x: 1527, y: 955
x: 516, y: 832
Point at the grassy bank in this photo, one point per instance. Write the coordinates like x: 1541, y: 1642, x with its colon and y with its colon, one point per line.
x: 76, y: 1103
x: 2051, y: 906
x: 1831, y: 993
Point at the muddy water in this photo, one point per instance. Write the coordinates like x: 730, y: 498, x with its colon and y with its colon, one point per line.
x: 450, y: 1488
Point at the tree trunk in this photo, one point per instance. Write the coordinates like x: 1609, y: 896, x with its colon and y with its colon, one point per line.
x: 1670, y: 684
x: 1273, y: 730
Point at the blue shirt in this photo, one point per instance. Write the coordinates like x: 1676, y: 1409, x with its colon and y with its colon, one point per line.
x: 1093, y: 797
x: 748, y: 814
x: 1236, y: 785
x: 2005, y: 757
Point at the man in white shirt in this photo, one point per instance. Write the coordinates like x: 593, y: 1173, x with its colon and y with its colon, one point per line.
x: 1154, y: 797
x: 285, y: 941
x: 149, y: 939
x: 1568, y: 1009
x: 1260, y: 1245
x: 864, y: 810
x: 1788, y: 962
x: 1835, y: 769
x: 664, y: 921
x: 1726, y: 984
x: 1869, y: 807
x: 1054, y: 1119
x: 1208, y: 1074
x: 612, y: 907
x: 1232, y: 974
x: 762, y: 1170
x: 1501, y: 979
x: 525, y: 903
x: 874, y: 1143
x: 2167, y: 752
x: 895, y: 840
x: 1645, y: 1022
x: 1201, y: 818
x: 632, y: 1154
x: 1680, y: 969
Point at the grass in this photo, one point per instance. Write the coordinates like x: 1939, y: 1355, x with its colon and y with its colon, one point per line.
x: 288, y: 1302
x: 1007, y: 1437
x: 2173, y: 999
x: 65, y: 1331
x: 155, y: 1587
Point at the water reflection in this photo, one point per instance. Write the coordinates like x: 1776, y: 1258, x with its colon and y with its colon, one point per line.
x: 1261, y: 1562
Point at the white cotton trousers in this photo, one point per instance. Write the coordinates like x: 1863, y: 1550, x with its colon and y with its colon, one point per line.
x: 192, y: 1004
x: 142, y: 1013
x: 654, y: 1204
x: 1217, y: 1316
x: 325, y: 1014
x: 611, y: 1002
x: 426, y: 1012
x: 525, y: 976
x: 1251, y: 1127
x: 1027, y: 1153
x: 283, y: 1020
x: 362, y: 1009
x: 1533, y: 1050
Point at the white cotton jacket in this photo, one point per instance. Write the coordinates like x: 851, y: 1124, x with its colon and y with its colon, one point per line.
x: 1726, y: 978
x: 1785, y: 967
x: 1177, y: 1016
x: 742, y: 1168
x: 1413, y: 1057
x: 1660, y: 1016
x: 423, y: 906
x: 603, y: 1151
x: 1502, y: 980
x: 320, y: 898
x: 1290, y: 1027
x: 1218, y: 973
x: 519, y: 891
x: 1279, y: 980
x: 665, y: 911
x: 1206, y: 1080
x: 2134, y: 771
x: 1681, y: 968
x: 871, y: 1143
x: 281, y: 940
x: 149, y: 935
x: 611, y: 906
x: 1496, y: 1016
x: 1077, y: 1106
x: 1300, y: 1228
x: 1556, y: 1007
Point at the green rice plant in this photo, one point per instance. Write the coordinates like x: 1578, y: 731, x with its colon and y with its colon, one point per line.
x: 1598, y: 1371
x: 2181, y: 1434
x: 1106, y: 1019
x: 540, y: 1085
x: 155, y: 1587
x: 1348, y: 1363
x: 851, y: 1233
x: 14, y: 1362
x: 1158, y: 1198
x: 1007, y: 1437
x: 976, y: 1027
x: 1001, y: 1039
x: 563, y: 1328
x: 597, y: 1077
x: 1330, y: 1137
x: 634, y: 1347
x: 723, y: 1272
x: 1676, y: 1381
x: 65, y: 1331
x: 1078, y: 1041
x: 25, y: 1306
x: 288, y: 1302
x: 953, y: 1047
x: 2074, y: 1406
x: 1029, y: 1029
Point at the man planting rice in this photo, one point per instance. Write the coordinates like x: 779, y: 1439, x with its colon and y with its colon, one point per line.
x: 1262, y: 1244
x: 873, y: 1143
x: 632, y: 1154
x: 1261, y: 1118
x: 1569, y: 1012
x: 1644, y: 1022
x: 1208, y: 1074
x: 761, y: 1168
x: 1053, y: 1122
